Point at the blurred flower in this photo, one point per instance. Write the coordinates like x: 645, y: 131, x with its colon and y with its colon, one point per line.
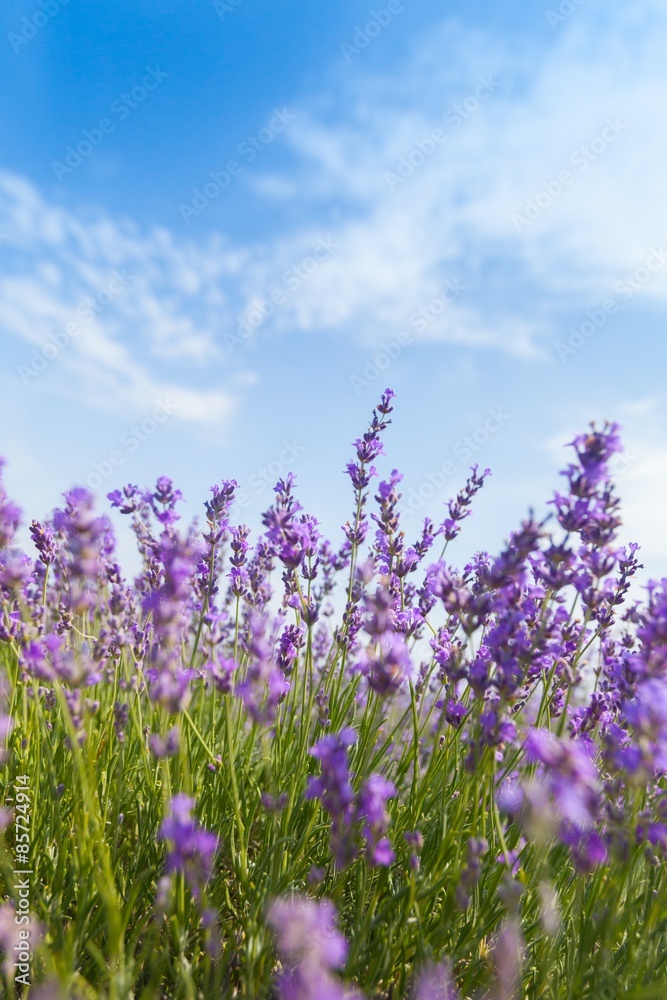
x: 334, y: 789
x: 435, y: 982
x: 310, y: 947
x: 190, y: 849
x: 386, y: 664
x: 372, y: 810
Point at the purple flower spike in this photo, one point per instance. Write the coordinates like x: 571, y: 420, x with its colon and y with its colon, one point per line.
x: 265, y: 685
x: 435, y: 983
x: 334, y: 789
x: 191, y: 849
x: 387, y: 665
x: 372, y: 809
x: 10, y: 514
x: 459, y: 508
x: 310, y: 947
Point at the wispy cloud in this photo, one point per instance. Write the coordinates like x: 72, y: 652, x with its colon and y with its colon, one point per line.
x: 454, y: 211
x: 117, y: 316
x: 450, y: 217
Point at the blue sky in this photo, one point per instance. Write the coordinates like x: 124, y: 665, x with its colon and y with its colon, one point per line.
x: 226, y: 227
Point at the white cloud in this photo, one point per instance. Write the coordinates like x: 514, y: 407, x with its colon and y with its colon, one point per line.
x: 450, y: 218
x: 453, y: 213
x: 135, y: 301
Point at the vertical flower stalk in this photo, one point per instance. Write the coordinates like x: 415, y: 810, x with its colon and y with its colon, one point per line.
x: 311, y: 949
x: 190, y: 848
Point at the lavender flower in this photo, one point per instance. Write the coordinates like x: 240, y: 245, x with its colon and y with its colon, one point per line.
x: 455, y: 712
x: 415, y: 840
x: 42, y: 536
x: 291, y: 538
x: 53, y: 658
x: 459, y: 508
x: 264, y: 686
x: 10, y: 514
x: 86, y: 538
x: 387, y: 665
x: 310, y: 947
x: 470, y: 873
x: 190, y: 848
x: 221, y: 670
x: 573, y: 777
x: 167, y: 603
x: 508, y: 956
x: 334, y: 789
x: 166, y: 746
x: 372, y: 810
x: 435, y: 982
x: 367, y: 448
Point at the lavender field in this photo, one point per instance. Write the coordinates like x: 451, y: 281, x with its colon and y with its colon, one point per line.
x: 297, y: 768
x: 333, y: 465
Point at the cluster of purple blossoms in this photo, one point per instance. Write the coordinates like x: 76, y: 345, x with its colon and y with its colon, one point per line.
x: 435, y: 982
x: 334, y: 790
x: 53, y: 658
x: 217, y: 523
x: 459, y: 508
x: 528, y: 668
x: 368, y: 448
x: 238, y: 575
x: 311, y: 949
x: 165, y: 746
x: 15, y: 568
x: 637, y: 743
x: 190, y: 849
x: 265, y: 685
x: 349, y: 811
x: 6, y: 727
x: 372, y: 812
x: 221, y: 670
x: 292, y: 535
x: 80, y: 546
x: 568, y: 794
x: 167, y: 605
x: 470, y: 873
x: 288, y: 647
x: 386, y: 663
x: 10, y: 514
